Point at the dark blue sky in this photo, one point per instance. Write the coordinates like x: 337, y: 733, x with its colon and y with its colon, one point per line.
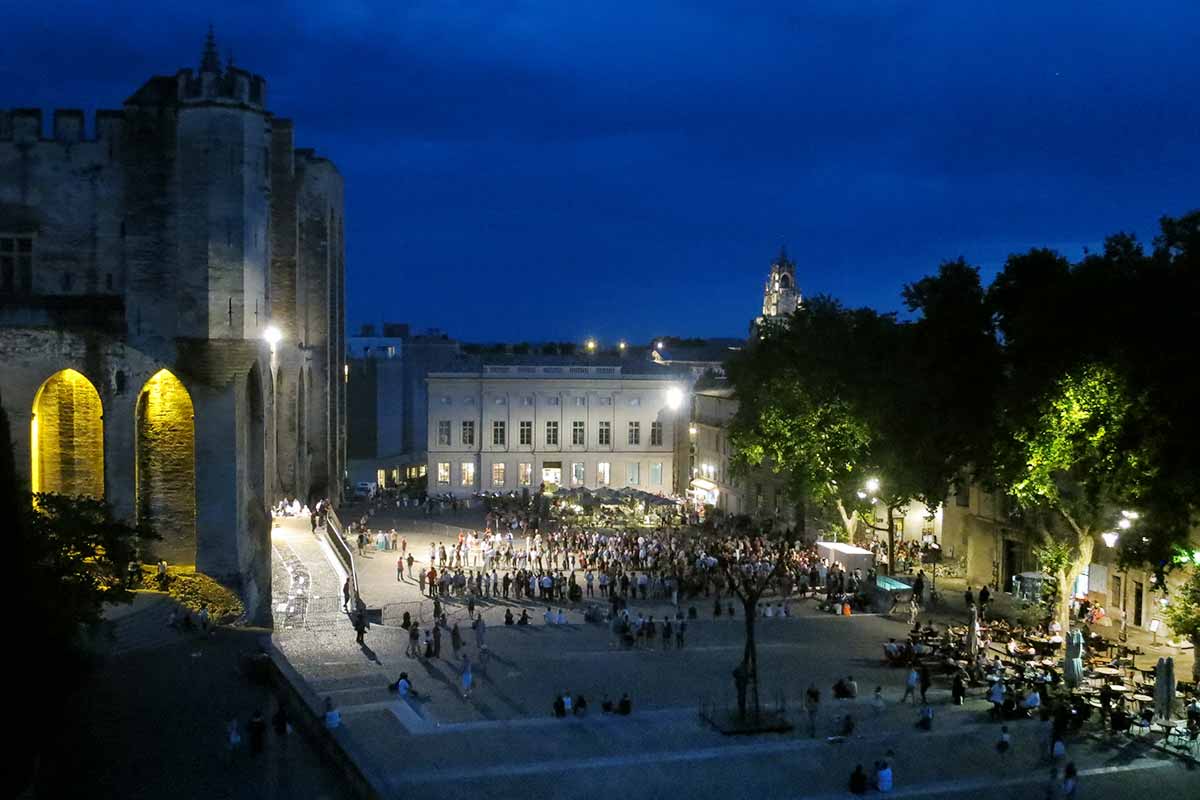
x: 560, y: 168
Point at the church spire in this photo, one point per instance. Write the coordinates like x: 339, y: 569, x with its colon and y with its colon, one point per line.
x: 210, y: 61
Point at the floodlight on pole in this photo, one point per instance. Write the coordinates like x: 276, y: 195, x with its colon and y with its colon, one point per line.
x: 272, y: 335
x: 1110, y: 538
x: 674, y: 398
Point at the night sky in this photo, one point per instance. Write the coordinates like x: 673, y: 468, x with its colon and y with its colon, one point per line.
x: 554, y: 169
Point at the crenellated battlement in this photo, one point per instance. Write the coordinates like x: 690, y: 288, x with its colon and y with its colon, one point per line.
x: 28, y: 125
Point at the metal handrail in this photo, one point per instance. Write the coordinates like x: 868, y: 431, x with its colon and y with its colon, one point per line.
x: 334, y: 534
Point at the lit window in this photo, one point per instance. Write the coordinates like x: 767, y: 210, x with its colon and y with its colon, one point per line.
x: 444, y: 472
x: 468, y: 473
x: 635, y: 433
x: 524, y: 474
x: 656, y: 434
x: 498, y: 433
x: 577, y: 432
x: 444, y: 433
x: 605, y: 436
x: 577, y: 473
x: 526, y: 432
x: 552, y: 433
x: 656, y: 474
x: 632, y: 473
x: 602, y: 473
x: 497, y: 475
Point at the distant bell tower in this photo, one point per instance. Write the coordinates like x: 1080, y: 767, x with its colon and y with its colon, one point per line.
x: 781, y: 296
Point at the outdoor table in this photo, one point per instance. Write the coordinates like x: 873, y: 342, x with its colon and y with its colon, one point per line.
x: 1143, y: 698
x: 1117, y: 687
x: 1111, y: 672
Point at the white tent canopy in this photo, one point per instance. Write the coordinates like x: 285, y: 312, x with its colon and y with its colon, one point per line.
x: 849, y: 556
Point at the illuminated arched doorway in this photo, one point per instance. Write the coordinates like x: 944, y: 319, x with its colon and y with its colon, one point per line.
x: 67, y: 437
x: 166, y: 463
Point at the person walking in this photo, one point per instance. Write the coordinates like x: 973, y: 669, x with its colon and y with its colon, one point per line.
x: 410, y: 561
x: 467, y: 677
x: 911, y: 684
x: 346, y: 594
x: 926, y: 682
x: 455, y: 639
x: 437, y: 640
x: 480, y: 628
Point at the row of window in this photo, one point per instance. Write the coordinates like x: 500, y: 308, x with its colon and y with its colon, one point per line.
x: 550, y: 474
x: 525, y: 433
x: 551, y: 400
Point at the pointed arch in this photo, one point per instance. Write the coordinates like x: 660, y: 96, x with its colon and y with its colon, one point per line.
x: 165, y: 447
x: 67, y: 436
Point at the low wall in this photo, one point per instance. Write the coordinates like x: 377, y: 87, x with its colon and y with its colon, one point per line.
x: 306, y: 713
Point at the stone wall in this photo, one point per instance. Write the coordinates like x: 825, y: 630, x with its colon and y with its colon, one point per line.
x: 67, y: 435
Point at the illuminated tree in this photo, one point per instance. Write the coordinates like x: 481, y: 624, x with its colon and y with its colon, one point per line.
x: 1183, y: 615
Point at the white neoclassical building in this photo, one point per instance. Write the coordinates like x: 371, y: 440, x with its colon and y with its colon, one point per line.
x: 509, y: 427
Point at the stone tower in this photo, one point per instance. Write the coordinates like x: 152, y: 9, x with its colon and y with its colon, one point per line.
x: 781, y: 296
x: 140, y: 270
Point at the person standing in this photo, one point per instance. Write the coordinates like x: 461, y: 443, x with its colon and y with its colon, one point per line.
x: 985, y: 597
x: 812, y: 704
x: 926, y: 682
x: 257, y: 729
x: 919, y: 589
x: 437, y: 640
x: 414, y: 640
x: 360, y: 624
x: 400, y: 570
x: 455, y: 639
x: 410, y: 561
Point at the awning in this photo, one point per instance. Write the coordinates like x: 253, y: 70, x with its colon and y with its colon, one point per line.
x: 704, y: 483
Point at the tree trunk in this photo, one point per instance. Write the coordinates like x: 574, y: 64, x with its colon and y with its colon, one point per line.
x: 1196, y: 659
x: 1068, y: 576
x: 891, y: 533
x: 750, y: 656
x: 849, y: 521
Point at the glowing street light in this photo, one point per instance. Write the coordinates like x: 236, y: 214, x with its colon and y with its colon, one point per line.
x: 1110, y: 538
x: 591, y: 345
x: 674, y: 398
x: 1124, y: 524
x: 659, y: 347
x: 621, y: 345
x: 272, y: 336
x: 872, y: 485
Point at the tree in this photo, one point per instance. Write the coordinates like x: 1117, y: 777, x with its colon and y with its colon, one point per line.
x: 1183, y: 615
x: 1070, y: 469
x: 751, y: 567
